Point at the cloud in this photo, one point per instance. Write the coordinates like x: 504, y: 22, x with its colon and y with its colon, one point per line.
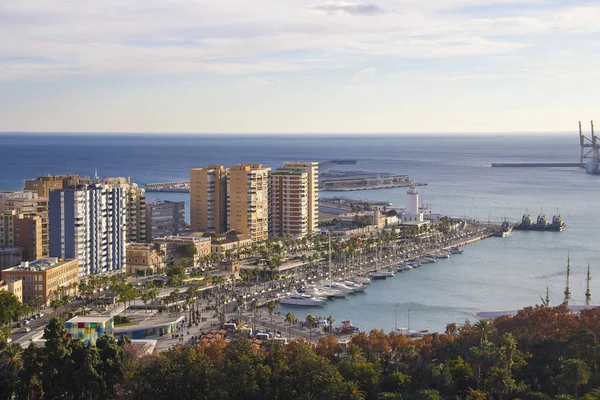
x: 55, y: 38
x: 366, y: 73
x: 342, y: 7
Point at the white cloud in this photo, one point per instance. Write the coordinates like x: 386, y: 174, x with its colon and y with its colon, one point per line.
x: 364, y: 74
x: 54, y: 38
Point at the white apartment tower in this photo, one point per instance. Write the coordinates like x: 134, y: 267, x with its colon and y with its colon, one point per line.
x: 89, y: 223
x: 311, y: 168
x: 288, y: 203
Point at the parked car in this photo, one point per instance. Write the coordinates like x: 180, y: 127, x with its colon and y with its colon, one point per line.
x: 41, y: 314
x: 26, y: 329
x: 25, y: 321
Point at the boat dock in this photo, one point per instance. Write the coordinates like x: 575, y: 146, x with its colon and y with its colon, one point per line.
x: 537, y: 165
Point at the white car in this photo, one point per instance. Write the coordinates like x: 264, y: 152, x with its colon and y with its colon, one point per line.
x: 26, y: 329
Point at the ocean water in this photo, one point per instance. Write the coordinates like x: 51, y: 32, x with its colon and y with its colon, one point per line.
x: 492, y: 275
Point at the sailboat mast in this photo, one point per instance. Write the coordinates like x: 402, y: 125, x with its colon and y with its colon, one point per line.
x: 588, y: 294
x: 567, y: 289
x: 329, y: 254
x: 547, y: 296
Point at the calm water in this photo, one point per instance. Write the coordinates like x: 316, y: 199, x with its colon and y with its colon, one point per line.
x: 496, y: 274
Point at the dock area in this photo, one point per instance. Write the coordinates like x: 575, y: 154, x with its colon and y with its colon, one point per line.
x: 361, y: 180
x: 537, y: 165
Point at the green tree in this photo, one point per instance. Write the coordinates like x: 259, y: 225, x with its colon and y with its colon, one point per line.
x: 112, y: 368
x: 29, y: 382
x: 310, y: 321
x: 500, y: 382
x: 9, y: 308
x: 290, y: 319
x: 56, y: 352
x: 574, y: 373
x: 271, y: 307
x: 10, y: 365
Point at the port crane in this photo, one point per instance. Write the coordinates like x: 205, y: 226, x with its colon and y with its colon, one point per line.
x: 590, y: 146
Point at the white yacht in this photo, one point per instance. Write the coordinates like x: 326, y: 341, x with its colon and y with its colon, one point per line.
x: 337, y: 286
x: 442, y: 256
x: 355, y: 286
x: 403, y: 267
x: 299, y: 299
x: 322, y: 292
x: 456, y: 250
x: 378, y: 275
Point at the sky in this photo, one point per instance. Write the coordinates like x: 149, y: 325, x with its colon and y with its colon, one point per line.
x: 298, y: 66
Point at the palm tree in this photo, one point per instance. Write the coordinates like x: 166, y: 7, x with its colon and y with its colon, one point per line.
x: 484, y: 330
x: 240, y: 302
x: 254, y: 306
x: 310, y: 321
x: 11, y: 362
x: 330, y: 322
x: 575, y: 372
x: 354, y: 392
x: 500, y: 382
x: 290, y: 319
x: 271, y: 306
x: 224, y: 303
x: 353, y: 354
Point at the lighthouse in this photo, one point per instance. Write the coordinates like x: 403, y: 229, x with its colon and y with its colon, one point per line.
x: 412, y: 213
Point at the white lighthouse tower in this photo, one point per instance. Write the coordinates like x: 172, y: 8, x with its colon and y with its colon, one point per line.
x: 412, y: 213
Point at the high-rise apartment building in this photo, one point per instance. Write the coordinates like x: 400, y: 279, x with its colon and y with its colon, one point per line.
x: 164, y: 218
x: 30, y: 205
x: 89, y: 223
x: 248, y: 200
x: 311, y: 168
x: 136, y: 208
x: 22, y: 231
x: 288, y: 203
x: 44, y: 184
x: 208, y: 199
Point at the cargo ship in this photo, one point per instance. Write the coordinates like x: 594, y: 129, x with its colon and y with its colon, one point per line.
x: 541, y: 224
x: 505, y: 230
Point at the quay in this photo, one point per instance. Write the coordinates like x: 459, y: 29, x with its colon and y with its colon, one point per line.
x: 537, y: 165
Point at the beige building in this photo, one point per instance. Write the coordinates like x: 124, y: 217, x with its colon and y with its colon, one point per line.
x: 23, y: 231
x: 208, y: 199
x: 15, y: 287
x: 30, y: 204
x: 46, y: 277
x: 311, y: 168
x: 136, y: 208
x: 144, y: 258
x: 232, y: 241
x: 248, y: 200
x: 288, y: 203
x: 172, y: 243
x: 42, y: 185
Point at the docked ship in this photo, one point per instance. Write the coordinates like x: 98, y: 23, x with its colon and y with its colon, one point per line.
x: 541, y: 224
x: 505, y: 230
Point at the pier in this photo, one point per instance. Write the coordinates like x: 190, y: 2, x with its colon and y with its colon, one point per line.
x: 537, y: 165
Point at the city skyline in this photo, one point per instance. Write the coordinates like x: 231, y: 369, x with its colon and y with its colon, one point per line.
x: 298, y: 67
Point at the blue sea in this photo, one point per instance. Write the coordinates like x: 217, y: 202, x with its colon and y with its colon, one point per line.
x: 495, y: 274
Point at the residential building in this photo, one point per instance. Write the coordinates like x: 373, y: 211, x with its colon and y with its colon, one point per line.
x: 208, y: 199
x: 44, y: 184
x: 174, y: 244
x: 44, y: 277
x: 29, y: 204
x: 23, y: 231
x: 10, y: 256
x: 89, y: 329
x: 144, y: 258
x: 288, y: 203
x: 164, y: 218
x: 136, y: 208
x: 89, y: 223
x: 248, y: 200
x: 15, y: 287
x: 311, y: 168
x: 232, y: 241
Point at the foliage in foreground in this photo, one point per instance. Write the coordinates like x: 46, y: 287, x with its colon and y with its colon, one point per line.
x: 542, y: 353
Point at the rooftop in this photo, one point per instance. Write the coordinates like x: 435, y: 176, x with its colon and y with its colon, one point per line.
x: 39, y: 265
x: 98, y: 318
